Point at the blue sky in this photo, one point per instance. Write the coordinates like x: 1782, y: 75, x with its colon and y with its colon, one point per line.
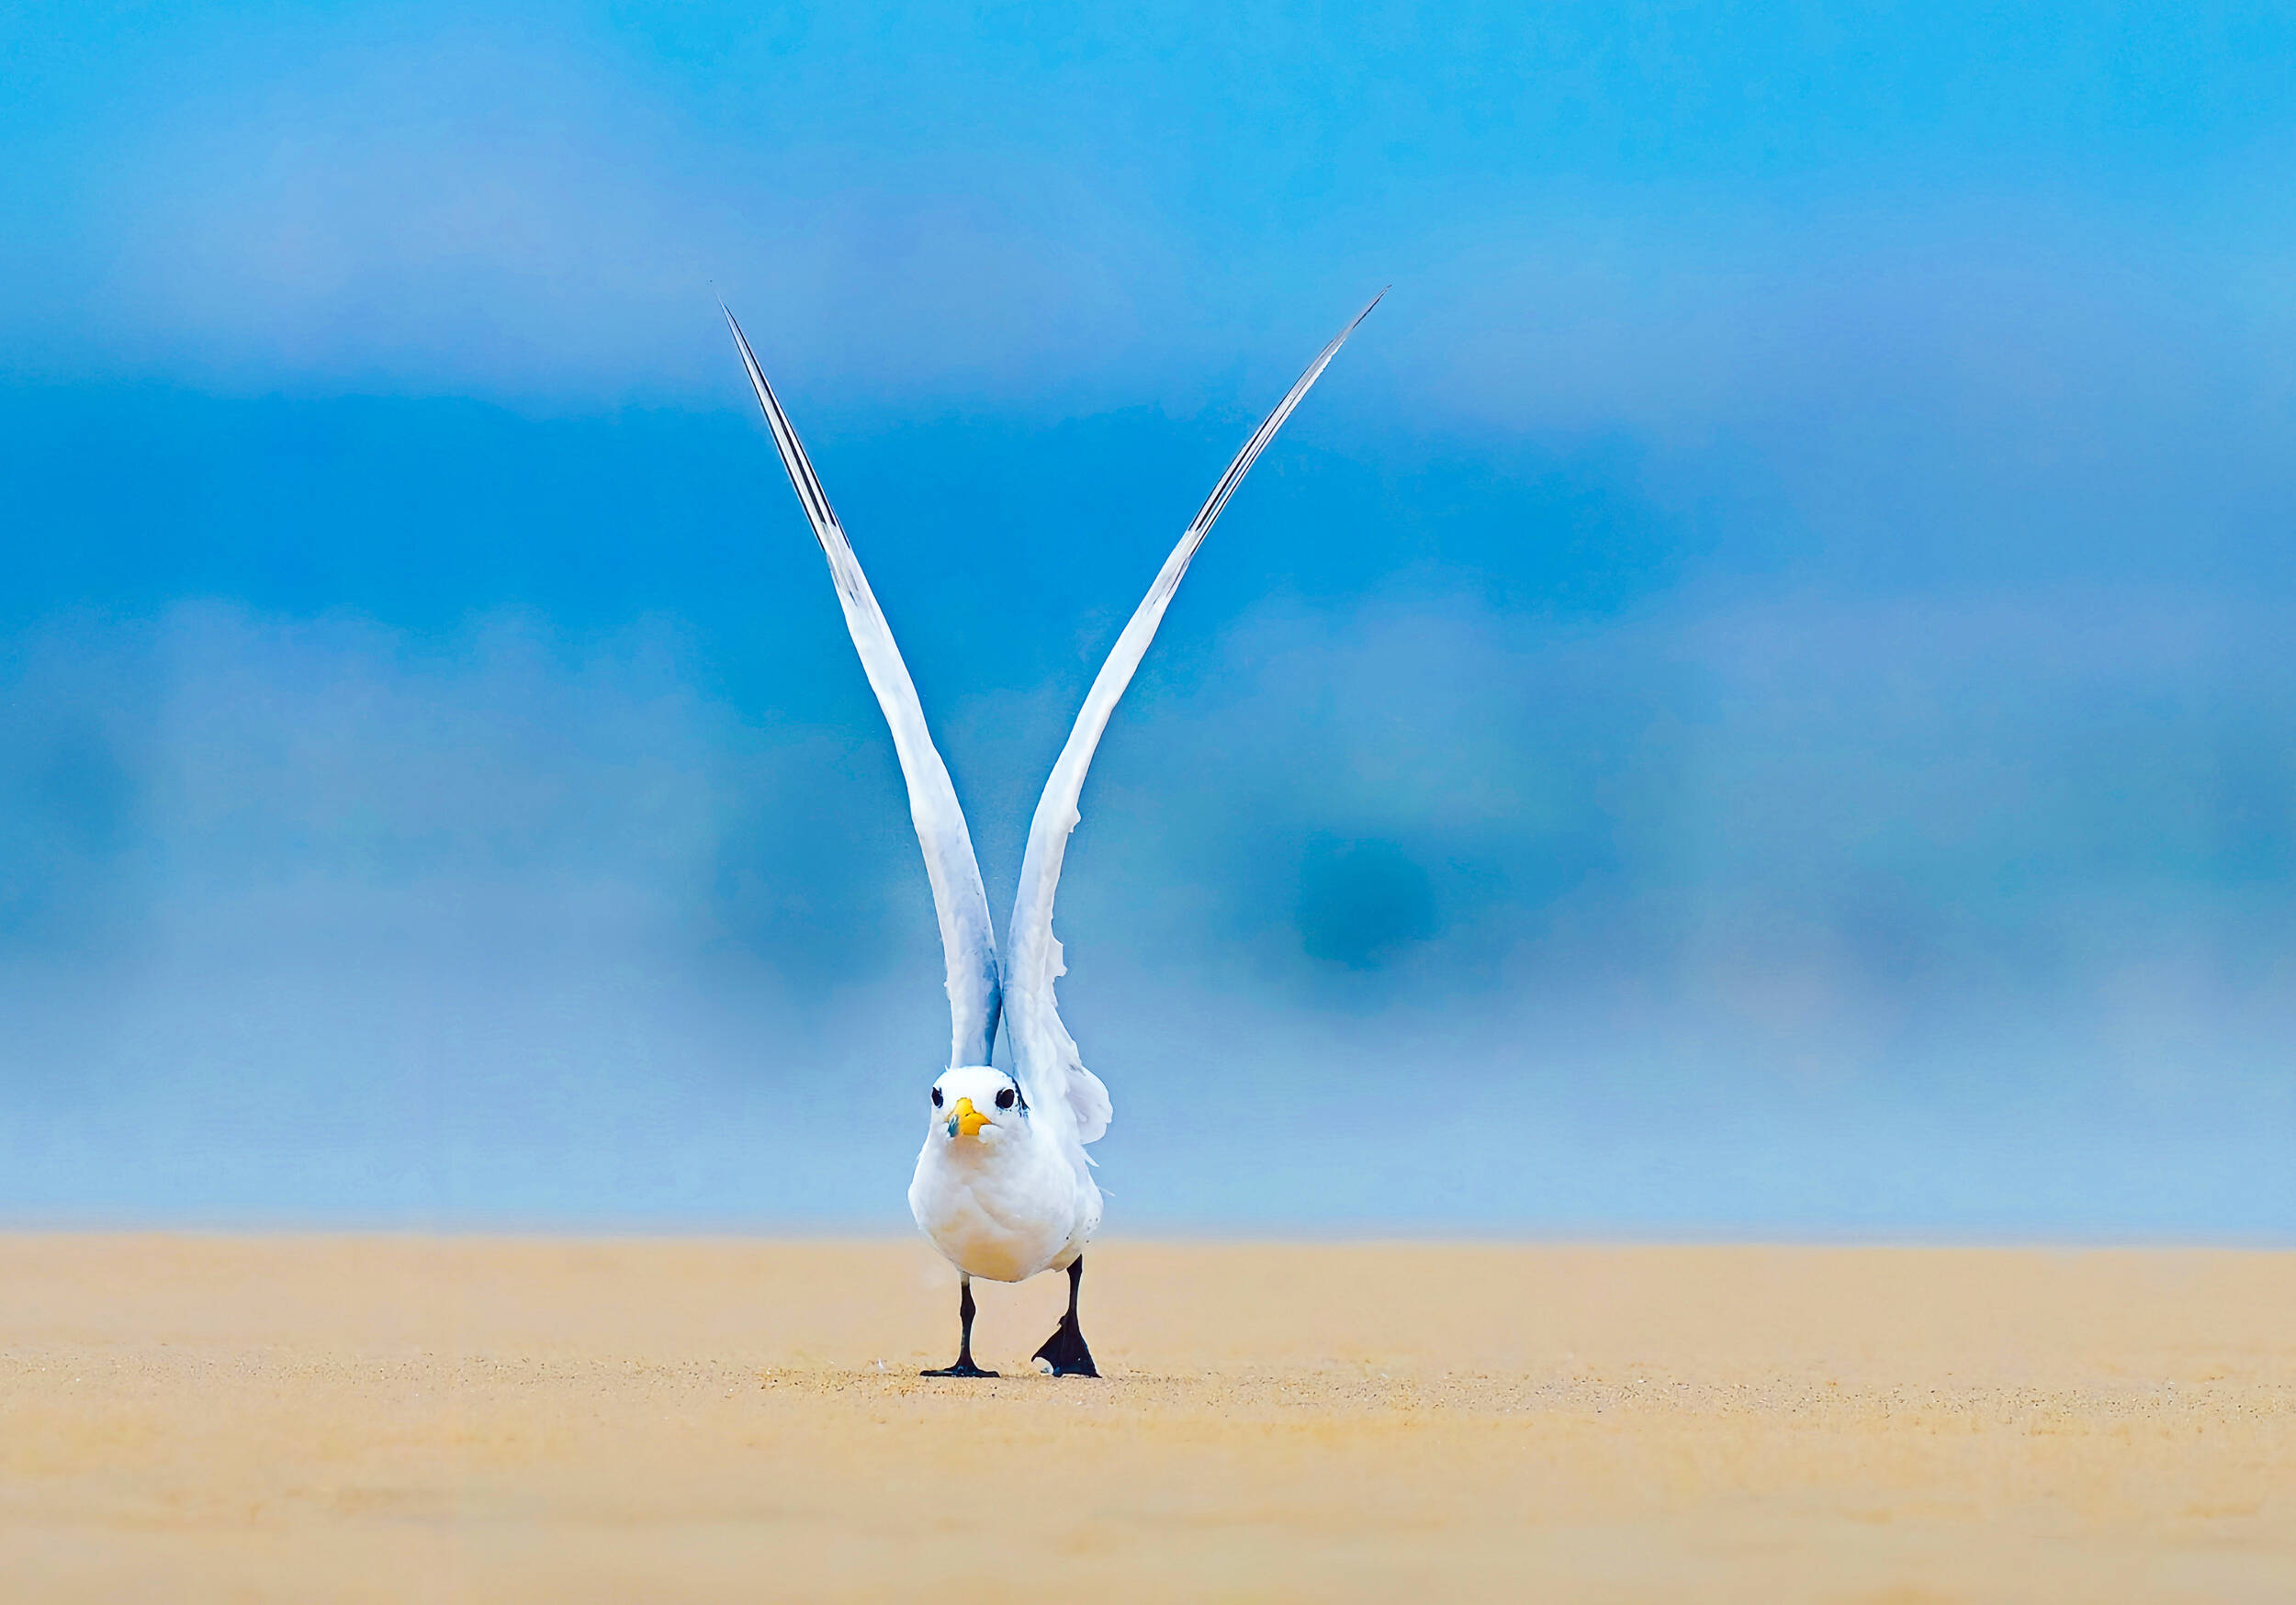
x: 1754, y: 698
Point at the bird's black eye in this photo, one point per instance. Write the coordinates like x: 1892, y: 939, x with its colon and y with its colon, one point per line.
x: 1004, y: 1099
x: 936, y: 1097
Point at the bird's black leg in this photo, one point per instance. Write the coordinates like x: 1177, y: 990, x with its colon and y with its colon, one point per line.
x: 964, y: 1366
x: 1064, y: 1351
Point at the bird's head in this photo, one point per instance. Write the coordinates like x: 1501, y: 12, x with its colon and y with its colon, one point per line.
x: 976, y: 1103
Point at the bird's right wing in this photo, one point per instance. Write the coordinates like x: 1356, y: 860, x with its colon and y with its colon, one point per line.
x: 1042, y: 1049
x: 968, y: 942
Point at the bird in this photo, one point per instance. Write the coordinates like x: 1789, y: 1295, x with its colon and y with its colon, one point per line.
x: 1003, y: 1187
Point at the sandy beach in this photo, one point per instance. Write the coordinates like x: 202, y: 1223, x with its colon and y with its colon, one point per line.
x: 188, y: 1417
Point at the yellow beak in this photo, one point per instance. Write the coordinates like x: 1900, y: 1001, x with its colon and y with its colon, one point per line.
x: 967, y: 1120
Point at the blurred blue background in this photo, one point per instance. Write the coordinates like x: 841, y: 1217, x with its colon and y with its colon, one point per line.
x: 1756, y: 697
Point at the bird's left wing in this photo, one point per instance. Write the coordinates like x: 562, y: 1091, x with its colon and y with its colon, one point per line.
x: 1051, y: 1073
x: 968, y: 942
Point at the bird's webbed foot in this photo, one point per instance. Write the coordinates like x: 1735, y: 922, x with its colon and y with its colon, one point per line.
x: 1066, y: 1352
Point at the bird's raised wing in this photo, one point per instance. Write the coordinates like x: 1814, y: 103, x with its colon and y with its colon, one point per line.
x: 1051, y: 1074
x: 967, y: 940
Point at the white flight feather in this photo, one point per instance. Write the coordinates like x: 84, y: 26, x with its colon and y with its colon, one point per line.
x: 1052, y: 1074
x: 968, y: 941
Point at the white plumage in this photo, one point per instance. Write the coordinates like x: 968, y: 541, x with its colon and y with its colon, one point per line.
x: 1003, y: 1187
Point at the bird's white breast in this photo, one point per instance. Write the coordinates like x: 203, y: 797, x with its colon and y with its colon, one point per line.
x: 1003, y: 1209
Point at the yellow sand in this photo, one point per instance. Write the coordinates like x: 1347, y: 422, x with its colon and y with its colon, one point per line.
x: 293, y: 1419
